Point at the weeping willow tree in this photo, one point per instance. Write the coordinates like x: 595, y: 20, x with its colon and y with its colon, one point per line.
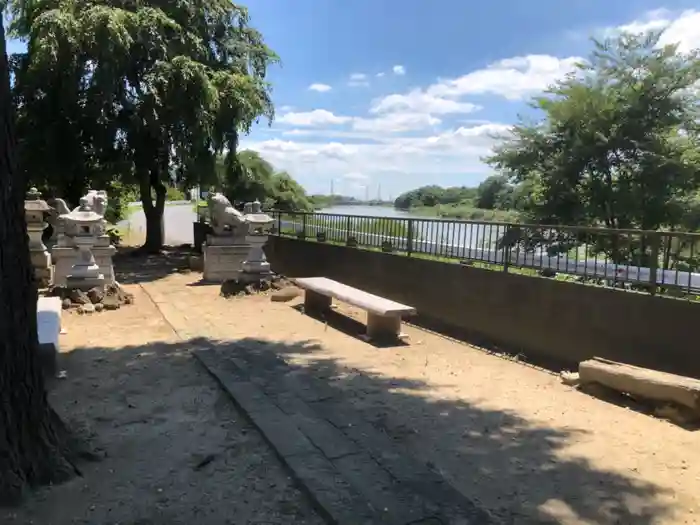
x: 146, y: 91
x: 255, y: 178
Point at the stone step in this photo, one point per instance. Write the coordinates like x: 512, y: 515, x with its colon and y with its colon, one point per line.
x: 354, y: 472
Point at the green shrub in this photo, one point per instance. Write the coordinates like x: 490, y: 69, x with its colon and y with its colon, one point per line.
x: 175, y: 194
x: 115, y: 235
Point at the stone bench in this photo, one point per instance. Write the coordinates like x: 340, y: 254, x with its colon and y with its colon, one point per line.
x: 383, y: 315
x: 48, y: 325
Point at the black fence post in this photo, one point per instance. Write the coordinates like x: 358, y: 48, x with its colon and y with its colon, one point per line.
x: 303, y: 226
x: 409, y: 238
x: 347, y: 228
x: 654, y: 262
x: 279, y: 222
x: 506, y: 251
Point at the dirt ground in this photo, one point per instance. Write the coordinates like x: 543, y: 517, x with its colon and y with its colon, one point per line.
x: 510, y: 437
x: 176, y: 449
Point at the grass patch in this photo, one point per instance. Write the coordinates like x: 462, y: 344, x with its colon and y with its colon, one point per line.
x: 462, y: 212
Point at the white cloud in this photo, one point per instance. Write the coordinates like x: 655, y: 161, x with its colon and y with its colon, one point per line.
x: 315, y: 118
x: 388, y: 123
x: 380, y: 74
x: 681, y: 28
x: 358, y: 80
x: 399, y: 70
x: 321, y: 88
x: 513, y: 78
x: 396, y: 123
x: 418, y: 100
x: 456, y: 151
x: 354, y: 175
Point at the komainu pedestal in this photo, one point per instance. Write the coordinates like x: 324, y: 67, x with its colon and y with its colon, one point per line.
x: 223, y: 258
x: 226, y: 248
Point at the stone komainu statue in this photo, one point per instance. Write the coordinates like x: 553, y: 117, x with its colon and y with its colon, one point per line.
x: 97, y: 200
x: 225, y: 219
x: 56, y: 222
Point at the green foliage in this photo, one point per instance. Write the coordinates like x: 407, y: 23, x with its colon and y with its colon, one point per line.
x: 136, y: 92
x: 467, y: 212
x: 434, y: 195
x: 327, y: 201
x: 115, y: 235
x: 175, y: 194
x: 618, y: 142
x: 259, y: 180
x: 495, y: 199
x: 119, y: 197
x: 494, y: 193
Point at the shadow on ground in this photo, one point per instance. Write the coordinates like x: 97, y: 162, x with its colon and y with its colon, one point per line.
x: 514, y: 468
x: 348, y: 326
x: 132, y: 266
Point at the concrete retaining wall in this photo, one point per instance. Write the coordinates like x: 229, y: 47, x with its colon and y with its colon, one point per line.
x: 552, y: 321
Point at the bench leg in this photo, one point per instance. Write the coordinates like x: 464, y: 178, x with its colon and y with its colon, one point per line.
x: 383, y: 328
x: 316, y: 302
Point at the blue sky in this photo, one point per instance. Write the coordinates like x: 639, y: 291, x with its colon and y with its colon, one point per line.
x: 403, y: 93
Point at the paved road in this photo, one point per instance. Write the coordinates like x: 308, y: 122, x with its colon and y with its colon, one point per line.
x: 178, y: 218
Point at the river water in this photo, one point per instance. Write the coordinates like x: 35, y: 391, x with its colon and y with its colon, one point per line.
x: 432, y: 230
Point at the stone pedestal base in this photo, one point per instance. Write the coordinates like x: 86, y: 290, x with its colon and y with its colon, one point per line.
x: 44, y: 276
x: 223, y: 262
x: 41, y: 263
x: 64, y: 258
x: 255, y: 267
x: 85, y: 283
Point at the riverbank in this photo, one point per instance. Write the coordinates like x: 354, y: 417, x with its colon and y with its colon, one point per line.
x: 449, y: 211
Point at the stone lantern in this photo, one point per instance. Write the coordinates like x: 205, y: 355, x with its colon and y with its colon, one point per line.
x: 34, y: 211
x: 256, y: 267
x: 84, y: 227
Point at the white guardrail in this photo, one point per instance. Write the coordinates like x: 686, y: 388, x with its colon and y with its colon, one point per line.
x: 537, y: 260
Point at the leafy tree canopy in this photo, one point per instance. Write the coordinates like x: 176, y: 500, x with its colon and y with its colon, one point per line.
x: 136, y: 90
x: 618, y: 142
x: 258, y: 179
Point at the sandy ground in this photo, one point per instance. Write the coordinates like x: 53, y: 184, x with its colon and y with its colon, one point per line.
x: 177, y: 451
x: 509, y: 436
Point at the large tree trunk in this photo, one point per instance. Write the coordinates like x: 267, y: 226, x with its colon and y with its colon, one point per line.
x: 31, y: 435
x: 154, y: 211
